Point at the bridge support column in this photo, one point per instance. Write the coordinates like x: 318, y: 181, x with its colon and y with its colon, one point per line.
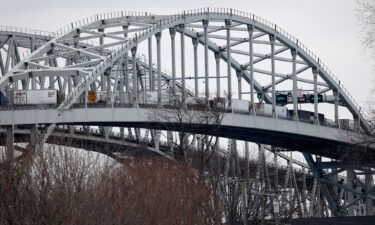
x: 158, y: 59
x: 9, y: 151
x: 206, y: 71
x: 239, y: 80
x: 295, y: 94
x: 350, y: 197
x: 357, y: 123
x: 250, y: 29
x: 182, y: 29
x: 276, y: 173
x: 126, y: 64
x: 369, y: 207
x: 196, y: 83
x: 217, y: 60
x: 336, y: 95
x: 51, y: 78
x: 170, y: 142
x: 135, y: 78
x: 122, y: 133
x: 150, y: 67
x: 34, y: 143
x: 102, y: 80
x: 107, y: 75
x: 326, y: 184
x: 335, y: 178
x: 316, y: 116
x: 228, y: 24
x: 304, y: 190
x: 272, y: 40
x: 157, y: 140
x: 172, y: 32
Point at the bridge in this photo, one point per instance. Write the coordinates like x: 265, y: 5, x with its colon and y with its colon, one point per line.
x: 238, y: 78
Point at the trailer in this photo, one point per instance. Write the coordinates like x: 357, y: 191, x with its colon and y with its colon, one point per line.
x: 32, y: 97
x: 308, y: 116
x: 240, y: 105
x: 266, y: 109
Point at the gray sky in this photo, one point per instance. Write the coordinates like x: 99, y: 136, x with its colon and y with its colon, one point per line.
x: 328, y: 27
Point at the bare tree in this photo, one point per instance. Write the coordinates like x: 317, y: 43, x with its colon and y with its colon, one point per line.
x: 67, y: 186
x: 187, y: 119
x: 366, y: 15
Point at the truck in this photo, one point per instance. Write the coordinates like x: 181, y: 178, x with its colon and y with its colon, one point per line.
x: 195, y: 100
x: 240, y: 105
x: 266, y: 109
x: 307, y: 116
x: 346, y: 124
x: 146, y: 97
x: 33, y: 97
x: 217, y: 103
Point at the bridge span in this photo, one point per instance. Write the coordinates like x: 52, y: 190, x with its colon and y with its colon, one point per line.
x: 108, y: 70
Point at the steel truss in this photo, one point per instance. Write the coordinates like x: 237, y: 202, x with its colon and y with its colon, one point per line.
x: 103, y: 53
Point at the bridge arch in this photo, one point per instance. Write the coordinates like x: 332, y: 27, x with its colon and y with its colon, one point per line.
x: 155, y: 24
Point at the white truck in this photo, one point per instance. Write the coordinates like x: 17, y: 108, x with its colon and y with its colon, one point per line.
x: 240, y: 105
x: 32, y: 97
x: 151, y: 97
x: 266, y: 109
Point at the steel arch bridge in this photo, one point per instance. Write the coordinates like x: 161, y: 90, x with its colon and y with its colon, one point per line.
x: 252, y: 60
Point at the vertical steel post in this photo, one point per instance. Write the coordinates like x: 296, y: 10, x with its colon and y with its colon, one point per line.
x: 9, y: 154
x: 125, y: 79
x: 304, y: 189
x: 182, y: 29
x: 158, y: 56
x: 51, y: 78
x: 350, y: 176
x: 121, y: 81
x: 276, y: 175
x: 196, y: 83
x: 239, y: 80
x: 126, y: 63
x: 335, y: 178
x: 217, y: 59
x: 172, y: 32
x: 103, y: 86
x: 295, y: 91
x: 336, y: 95
x: 250, y: 29
x: 32, y: 46
x: 272, y: 40
x: 123, y: 76
x: 315, y: 73
x: 150, y: 66
x: 369, y: 202
x: 135, y: 77
x: 206, y: 69
x: 107, y: 75
x: 229, y: 63
x: 357, y: 123
x: 34, y: 137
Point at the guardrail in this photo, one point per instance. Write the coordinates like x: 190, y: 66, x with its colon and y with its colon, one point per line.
x: 27, y: 31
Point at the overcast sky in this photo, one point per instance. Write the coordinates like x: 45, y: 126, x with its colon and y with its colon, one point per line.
x: 328, y: 27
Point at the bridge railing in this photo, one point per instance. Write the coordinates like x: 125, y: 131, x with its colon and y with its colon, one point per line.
x: 88, y: 20
x: 27, y: 31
